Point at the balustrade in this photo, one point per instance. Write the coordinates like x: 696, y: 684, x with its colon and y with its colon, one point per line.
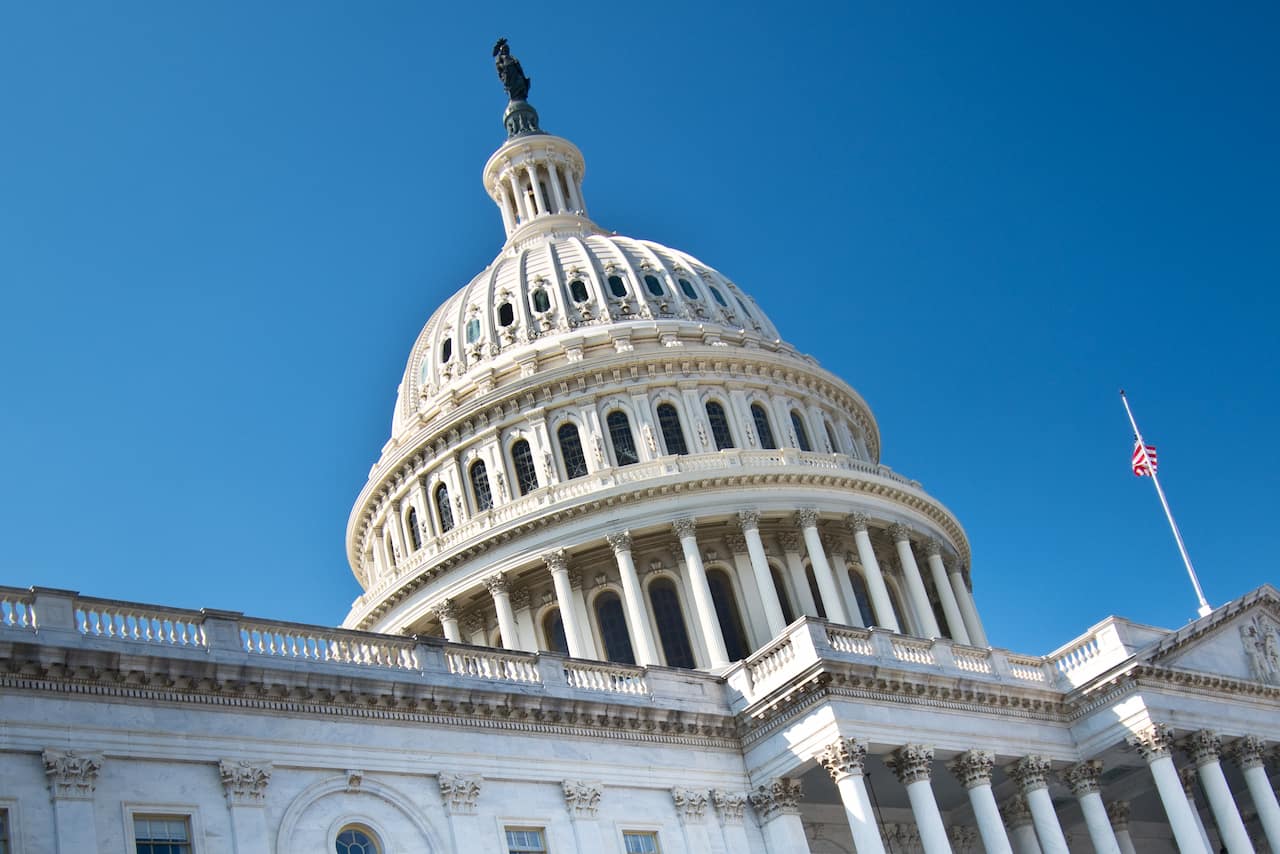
x: 479, y: 663
x: 850, y: 640
x: 16, y: 610
x: 122, y: 621
x: 613, y: 678
x: 337, y: 647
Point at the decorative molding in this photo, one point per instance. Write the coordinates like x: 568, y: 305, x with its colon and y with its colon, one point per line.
x: 1202, y: 746
x: 1015, y: 812
x: 1261, y: 639
x: 684, y: 528
x: 1118, y: 813
x: 807, y: 517
x: 858, y: 522
x: 620, y: 541
x: 748, y: 520
x: 1083, y: 778
x: 845, y: 757
x: 729, y: 805
x: 447, y: 609
x: 899, y: 533
x: 690, y: 804
x: 780, y: 797
x: 737, y: 543
x: 72, y: 775
x: 475, y: 622
x: 790, y: 541
x: 520, y: 598
x: 556, y: 560
x: 1247, y: 752
x: 460, y: 792
x: 911, y: 763
x: 355, y: 779
x: 1030, y: 773
x: 244, y: 783
x: 1154, y: 742
x: 932, y: 548
x: 497, y: 584
x: 575, y: 580
x: 581, y: 799
x: 973, y: 768
x: 1187, y: 776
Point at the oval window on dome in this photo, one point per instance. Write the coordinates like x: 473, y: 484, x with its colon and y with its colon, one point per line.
x: 446, y: 350
x: 578, y: 290
x: 617, y: 287
x: 506, y: 314
x: 743, y: 305
x: 473, y: 330
x: 719, y: 297
x: 654, y: 286
x: 541, y: 302
x: 687, y: 287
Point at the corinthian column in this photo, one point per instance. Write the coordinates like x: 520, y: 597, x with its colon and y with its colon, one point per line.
x: 1203, y: 747
x: 881, y: 605
x: 73, y: 777
x: 558, y: 564
x: 1031, y: 774
x: 1188, y: 778
x: 1247, y: 752
x: 1155, y: 743
x: 1083, y: 780
x: 947, y: 596
x: 778, y: 806
x: 901, y: 535
x: 499, y: 590
x: 973, y: 769
x: 686, y: 530
x: 913, y: 763
x: 1118, y: 815
x: 808, y: 520
x: 749, y: 522
x: 844, y: 760
x: 637, y: 618
x: 245, y: 786
x: 1022, y: 829
x: 977, y: 635
x: 447, y: 613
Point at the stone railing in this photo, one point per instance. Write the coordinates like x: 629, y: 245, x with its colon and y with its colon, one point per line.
x: 492, y: 664
x: 106, y: 618
x: 851, y: 640
x: 614, y: 678
x: 310, y: 643
x: 1109, y: 643
x: 16, y: 610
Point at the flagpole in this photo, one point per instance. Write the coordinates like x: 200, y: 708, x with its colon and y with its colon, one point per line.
x: 1151, y: 469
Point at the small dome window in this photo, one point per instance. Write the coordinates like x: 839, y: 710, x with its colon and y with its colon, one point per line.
x: 743, y: 305
x: 446, y: 350
x: 506, y: 314
x: 719, y: 297
x: 578, y: 290
x: 654, y: 286
x: 687, y: 287
x: 617, y: 287
x: 473, y: 330
x: 541, y: 302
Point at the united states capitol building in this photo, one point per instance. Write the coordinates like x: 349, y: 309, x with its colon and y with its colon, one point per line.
x: 636, y: 580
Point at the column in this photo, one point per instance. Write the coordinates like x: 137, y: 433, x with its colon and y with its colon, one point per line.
x: 554, y: 173
x: 807, y: 518
x: 507, y: 222
x: 498, y: 588
x: 973, y: 769
x: 575, y: 194
x: 637, y: 616
x: 426, y: 521
x: 1155, y: 743
x: 1031, y: 773
x: 1204, y: 747
x: 842, y: 565
x: 459, y: 792
x: 395, y: 523
x: 1021, y: 826
x: 901, y: 535
x: 844, y: 761
x: 912, y: 763
x: 778, y: 806
x: 245, y: 785
x: 729, y: 809
x: 589, y: 647
x: 558, y: 564
x: 447, y: 613
x: 757, y: 625
x: 531, y: 169
x: 1083, y: 780
x: 1247, y: 752
x: 520, y: 601
x: 880, y: 603
x: 1118, y: 814
x: 790, y: 543
x: 522, y: 203
x: 380, y: 568
x: 749, y: 522
x: 705, y: 607
x: 72, y: 777
x: 691, y: 809
x: 582, y: 800
x: 1188, y: 778
x: 947, y: 596
x: 968, y: 610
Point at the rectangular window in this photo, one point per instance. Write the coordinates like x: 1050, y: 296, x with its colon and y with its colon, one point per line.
x: 162, y: 834
x: 526, y: 840
x: 4, y: 832
x: 640, y: 842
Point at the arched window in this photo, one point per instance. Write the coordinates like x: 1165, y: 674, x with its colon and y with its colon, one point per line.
x: 541, y: 302
x: 575, y: 464
x: 831, y: 437
x: 506, y: 314
x: 624, y: 444
x: 443, y: 509
x: 415, y: 533
x: 802, y: 435
x: 863, y: 598
x: 654, y: 287
x: 672, y: 435
x: 687, y: 287
x: 672, y: 632
x: 526, y: 471
x: 780, y: 586
x: 578, y: 290
x: 613, y: 629
x: 617, y: 287
x: 898, y: 610
x: 763, y: 430
x: 354, y: 839
x: 735, y: 637
x: 815, y: 591
x: 446, y: 350
x: 553, y: 632
x: 719, y: 425
x: 480, y: 485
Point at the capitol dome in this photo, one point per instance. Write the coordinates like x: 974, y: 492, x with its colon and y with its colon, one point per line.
x: 602, y: 446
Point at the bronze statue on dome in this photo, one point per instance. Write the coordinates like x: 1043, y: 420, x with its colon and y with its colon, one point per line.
x: 510, y: 73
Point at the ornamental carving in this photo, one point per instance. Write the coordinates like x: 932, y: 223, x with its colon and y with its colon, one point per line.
x: 72, y: 775
x: 1083, y: 778
x: 1030, y: 773
x: 497, y: 584
x: 244, y: 783
x: 1247, y: 752
x: 619, y: 542
x: 932, y: 548
x: 911, y: 763
x: 1187, y: 776
x: 581, y: 799
x: 474, y: 623
x: 575, y: 581
x: 446, y: 610
x: 900, y: 533
x: 748, y: 520
x: 556, y: 560
x: 1261, y: 641
x: 844, y: 757
x: 973, y: 768
x: 729, y: 805
x: 684, y: 528
x: 858, y: 522
x: 1118, y: 813
x: 520, y: 598
x: 355, y: 779
x: 1154, y: 742
x: 807, y: 517
x: 1202, y: 746
x: 790, y: 541
x: 460, y: 792
x: 1016, y: 813
x: 781, y: 797
x: 690, y: 804
x: 737, y: 543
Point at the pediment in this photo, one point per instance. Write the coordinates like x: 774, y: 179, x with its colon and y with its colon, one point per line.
x: 1240, y: 641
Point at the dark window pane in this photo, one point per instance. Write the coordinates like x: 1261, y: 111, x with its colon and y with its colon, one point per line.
x: 672, y: 632
x: 815, y: 591
x: 541, y: 302
x: 446, y: 350
x: 553, y: 630
x: 719, y: 426
x: 743, y: 306
x: 624, y: 444
x: 411, y: 522
x: 788, y: 612
x: 687, y: 287
x: 575, y: 463
x: 617, y: 287
x: 802, y: 435
x: 506, y: 314
x: 578, y: 290
x: 653, y: 285
x: 443, y: 508
x: 863, y: 598
x: 526, y: 472
x: 613, y: 628
x: 719, y: 297
x: 735, y: 637
x: 831, y: 437
x: 763, y: 430
x: 480, y: 485
x: 672, y: 435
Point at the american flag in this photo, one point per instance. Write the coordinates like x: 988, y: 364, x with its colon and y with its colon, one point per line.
x: 1144, y: 459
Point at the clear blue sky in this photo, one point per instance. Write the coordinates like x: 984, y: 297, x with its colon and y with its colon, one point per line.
x: 222, y: 225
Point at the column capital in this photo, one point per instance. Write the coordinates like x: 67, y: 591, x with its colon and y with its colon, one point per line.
x: 932, y: 548
x: 1247, y: 751
x: 244, y: 783
x: 749, y: 520
x: 973, y: 768
x: 1118, y: 814
x: 446, y: 609
x: 737, y: 543
x: 1030, y: 773
x: 780, y: 797
x: 581, y: 799
x: 556, y: 560
x: 72, y: 775
x: 1015, y: 812
x: 790, y: 541
x: 1153, y: 742
x: 460, y: 792
x: 900, y: 533
x: 497, y: 583
x: 807, y: 517
x: 1083, y: 777
x: 858, y: 522
x: 1203, y: 746
x: 619, y: 542
x: 729, y: 805
x: 690, y: 804
x: 911, y: 763
x: 1187, y: 776
x: 844, y: 757
x: 685, y: 528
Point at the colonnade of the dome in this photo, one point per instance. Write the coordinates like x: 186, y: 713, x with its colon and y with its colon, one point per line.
x: 535, y: 177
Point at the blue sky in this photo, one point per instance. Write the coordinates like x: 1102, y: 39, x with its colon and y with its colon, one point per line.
x: 222, y: 225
